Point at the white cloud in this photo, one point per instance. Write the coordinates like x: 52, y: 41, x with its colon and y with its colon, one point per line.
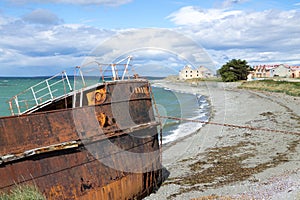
x: 42, y: 16
x: 243, y: 33
x: 153, y: 46
x: 46, y: 50
x: 45, y: 47
x: 229, y: 3
x: 255, y: 57
x: 80, y: 2
x: 259, y: 37
x: 195, y: 16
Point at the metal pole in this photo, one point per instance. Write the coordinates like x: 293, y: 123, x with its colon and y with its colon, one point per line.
x: 74, y: 96
x: 49, y: 89
x: 17, y: 104
x: 126, y: 67
x: 70, y: 87
x: 113, y: 71
x: 11, y: 108
x: 82, y: 78
x: 33, y: 93
x: 81, y: 97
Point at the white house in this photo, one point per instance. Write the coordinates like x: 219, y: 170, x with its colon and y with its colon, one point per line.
x: 188, y: 73
x: 280, y: 71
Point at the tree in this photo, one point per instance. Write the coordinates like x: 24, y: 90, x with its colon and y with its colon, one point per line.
x: 234, y: 70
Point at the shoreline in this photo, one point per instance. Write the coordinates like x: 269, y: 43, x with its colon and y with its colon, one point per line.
x: 172, y: 85
x: 234, y: 163
x: 160, y: 84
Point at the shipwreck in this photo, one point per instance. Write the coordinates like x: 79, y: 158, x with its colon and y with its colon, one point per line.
x: 75, y: 140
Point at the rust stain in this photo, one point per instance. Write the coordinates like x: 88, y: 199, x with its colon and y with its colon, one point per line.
x: 60, y: 150
x: 96, y: 97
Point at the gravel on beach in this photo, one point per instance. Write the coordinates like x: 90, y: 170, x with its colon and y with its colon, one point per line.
x: 229, y: 162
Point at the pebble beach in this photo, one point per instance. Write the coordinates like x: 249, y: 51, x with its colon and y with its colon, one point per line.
x: 225, y: 160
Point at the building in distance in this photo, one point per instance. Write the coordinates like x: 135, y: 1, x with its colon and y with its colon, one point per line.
x: 278, y: 70
x: 189, y: 73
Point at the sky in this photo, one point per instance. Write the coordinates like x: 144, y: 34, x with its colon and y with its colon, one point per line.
x: 43, y: 37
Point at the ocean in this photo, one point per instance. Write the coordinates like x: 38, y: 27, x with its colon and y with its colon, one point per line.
x: 168, y: 102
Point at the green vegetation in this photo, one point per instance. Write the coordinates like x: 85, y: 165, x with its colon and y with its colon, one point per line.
x: 290, y: 88
x: 24, y: 192
x: 234, y: 70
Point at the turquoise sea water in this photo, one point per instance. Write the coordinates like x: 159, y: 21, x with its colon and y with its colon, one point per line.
x: 180, y: 105
x: 10, y: 86
x: 169, y: 103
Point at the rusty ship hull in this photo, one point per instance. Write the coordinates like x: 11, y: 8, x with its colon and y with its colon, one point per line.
x: 100, y: 142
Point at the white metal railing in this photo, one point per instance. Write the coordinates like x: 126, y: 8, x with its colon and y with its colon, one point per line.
x: 40, y: 94
x: 104, y: 72
x: 44, y: 92
x: 113, y: 71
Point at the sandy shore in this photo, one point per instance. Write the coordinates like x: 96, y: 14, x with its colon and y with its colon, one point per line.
x: 224, y: 162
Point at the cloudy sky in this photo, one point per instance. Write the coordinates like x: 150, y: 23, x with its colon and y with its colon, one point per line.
x: 43, y: 37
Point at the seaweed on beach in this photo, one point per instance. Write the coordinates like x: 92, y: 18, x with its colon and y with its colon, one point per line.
x: 225, y: 165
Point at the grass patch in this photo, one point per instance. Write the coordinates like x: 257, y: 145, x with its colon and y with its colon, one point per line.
x: 24, y: 192
x: 289, y: 88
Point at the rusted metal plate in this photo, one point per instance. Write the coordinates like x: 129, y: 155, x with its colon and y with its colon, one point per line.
x: 47, y: 128
x: 104, y: 151
x: 72, y: 173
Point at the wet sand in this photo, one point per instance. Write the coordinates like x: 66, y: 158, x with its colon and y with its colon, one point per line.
x: 225, y: 162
